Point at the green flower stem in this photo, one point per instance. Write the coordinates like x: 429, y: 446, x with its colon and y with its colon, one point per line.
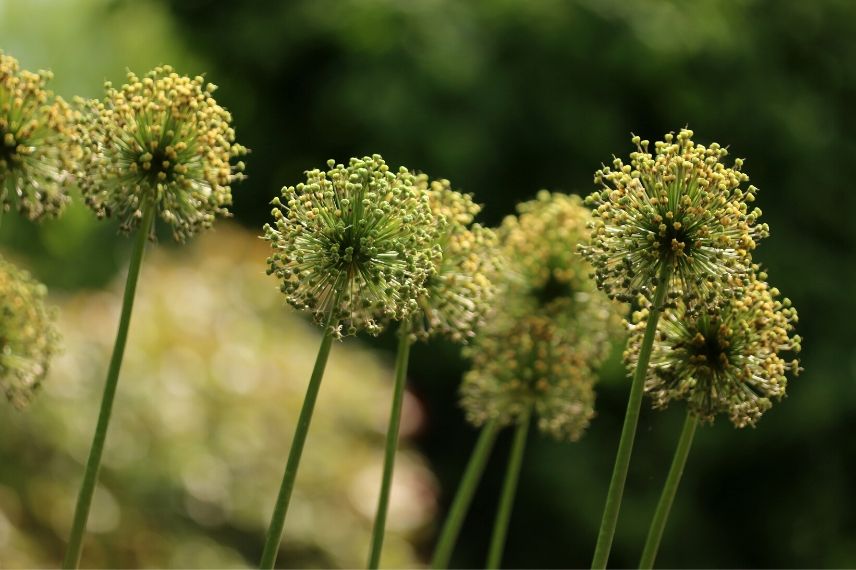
x: 90, y: 477
x: 658, y: 523
x: 277, y: 521
x: 628, y: 431
x: 391, y: 444
x: 464, y: 496
x: 509, y: 489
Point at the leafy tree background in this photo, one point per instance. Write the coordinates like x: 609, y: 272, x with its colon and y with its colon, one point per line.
x: 507, y: 97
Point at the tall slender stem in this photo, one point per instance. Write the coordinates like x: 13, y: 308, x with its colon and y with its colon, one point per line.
x: 509, y: 489
x: 391, y: 444
x: 628, y: 431
x: 658, y: 523
x: 277, y: 521
x: 464, y: 496
x: 93, y: 464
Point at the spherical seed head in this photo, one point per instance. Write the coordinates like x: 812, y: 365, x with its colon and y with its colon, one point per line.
x: 680, y: 206
x: 28, y: 336
x: 547, y: 275
x: 354, y: 244
x: 460, y: 292
x: 36, y: 143
x: 729, y: 361
x: 530, y: 364
x: 160, y: 138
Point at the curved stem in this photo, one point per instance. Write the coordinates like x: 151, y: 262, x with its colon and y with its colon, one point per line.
x: 391, y: 444
x: 509, y: 489
x: 628, y: 431
x: 658, y: 523
x: 93, y: 464
x: 464, y: 496
x: 277, y: 522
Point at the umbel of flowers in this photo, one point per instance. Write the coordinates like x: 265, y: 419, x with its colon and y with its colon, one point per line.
x: 28, y: 336
x: 546, y: 275
x: 532, y: 365
x: 36, y: 148
x: 161, y: 139
x: 459, y: 293
x: 354, y: 244
x: 681, y: 208
x: 731, y: 361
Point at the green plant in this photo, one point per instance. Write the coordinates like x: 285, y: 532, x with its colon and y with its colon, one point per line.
x: 159, y: 145
x: 674, y: 225
x: 353, y: 245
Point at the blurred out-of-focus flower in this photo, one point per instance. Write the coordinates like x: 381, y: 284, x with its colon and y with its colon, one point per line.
x: 160, y: 139
x: 461, y: 290
x: 546, y: 275
x: 529, y: 365
x: 727, y: 361
x: 36, y: 148
x: 681, y: 206
x: 354, y: 244
x: 28, y: 336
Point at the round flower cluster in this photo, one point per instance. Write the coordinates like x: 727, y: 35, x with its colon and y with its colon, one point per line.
x: 681, y: 207
x: 355, y: 244
x: 28, y: 337
x: 460, y: 292
x: 162, y: 140
x: 547, y: 276
x: 726, y: 361
x: 36, y: 148
x: 530, y: 365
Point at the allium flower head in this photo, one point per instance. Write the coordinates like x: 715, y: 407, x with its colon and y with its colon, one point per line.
x: 546, y: 275
x: 530, y: 364
x: 36, y: 149
x: 28, y: 337
x: 729, y: 361
x: 680, y: 206
x: 160, y: 138
x: 354, y: 244
x: 460, y: 292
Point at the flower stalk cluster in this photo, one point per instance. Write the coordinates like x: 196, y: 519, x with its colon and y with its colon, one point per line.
x: 28, y: 335
x: 161, y: 139
x: 36, y: 143
x: 675, y: 232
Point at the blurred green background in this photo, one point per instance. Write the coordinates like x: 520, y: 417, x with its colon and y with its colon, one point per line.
x: 504, y: 98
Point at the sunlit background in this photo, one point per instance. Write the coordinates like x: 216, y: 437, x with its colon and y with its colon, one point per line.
x: 503, y: 98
